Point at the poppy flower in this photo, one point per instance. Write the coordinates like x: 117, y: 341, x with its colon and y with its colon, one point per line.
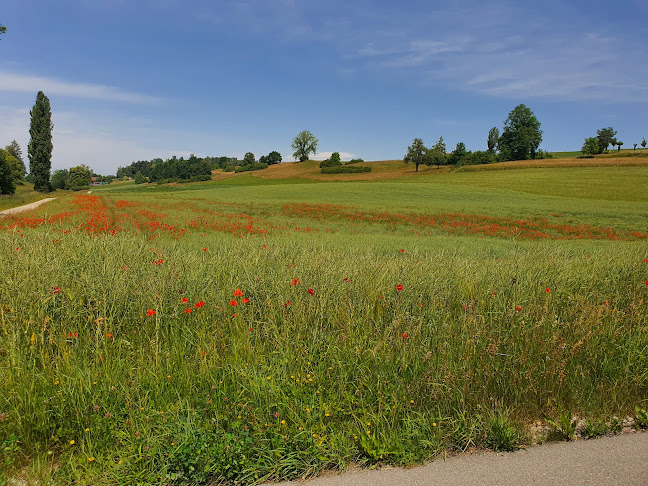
x: 188, y: 310
x: 547, y: 290
x: 204, y: 249
x: 518, y: 308
x: 402, y: 250
x: 311, y: 291
x: 287, y: 304
x: 399, y: 287
x: 238, y: 293
x: 233, y: 303
x: 245, y: 301
x: 405, y: 336
x: 295, y: 281
x: 56, y: 290
x: 108, y: 335
x: 185, y: 300
x: 199, y: 304
x: 150, y: 312
x: 74, y: 334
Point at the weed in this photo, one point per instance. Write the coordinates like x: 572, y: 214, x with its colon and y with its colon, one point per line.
x: 564, y: 427
x: 641, y: 418
x: 501, y: 433
x: 594, y: 429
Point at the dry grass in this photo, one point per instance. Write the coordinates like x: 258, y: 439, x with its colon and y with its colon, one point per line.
x: 602, y: 161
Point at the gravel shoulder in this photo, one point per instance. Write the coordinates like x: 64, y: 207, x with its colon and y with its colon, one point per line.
x: 26, y: 207
x: 620, y: 460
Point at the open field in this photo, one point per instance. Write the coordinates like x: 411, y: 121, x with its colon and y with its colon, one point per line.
x: 256, y: 328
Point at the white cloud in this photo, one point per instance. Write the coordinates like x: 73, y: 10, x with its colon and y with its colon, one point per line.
x: 21, y: 83
x: 327, y: 155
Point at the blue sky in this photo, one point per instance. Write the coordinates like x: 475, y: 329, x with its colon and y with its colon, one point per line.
x: 134, y: 80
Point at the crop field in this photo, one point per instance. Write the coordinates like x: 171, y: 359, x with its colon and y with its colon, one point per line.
x: 251, y: 329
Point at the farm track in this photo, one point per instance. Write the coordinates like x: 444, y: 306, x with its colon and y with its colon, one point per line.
x: 26, y: 207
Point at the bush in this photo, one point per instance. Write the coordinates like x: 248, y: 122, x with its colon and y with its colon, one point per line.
x: 251, y: 167
x: 334, y: 161
x: 345, y: 169
x: 355, y: 161
x: 479, y: 157
x: 543, y: 154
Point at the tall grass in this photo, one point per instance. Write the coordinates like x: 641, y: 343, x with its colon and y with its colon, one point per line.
x: 348, y: 349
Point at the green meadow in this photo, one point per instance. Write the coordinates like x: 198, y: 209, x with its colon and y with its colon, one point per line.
x: 248, y: 329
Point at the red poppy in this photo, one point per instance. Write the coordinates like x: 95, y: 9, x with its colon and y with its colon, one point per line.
x: 346, y: 280
x: 264, y: 247
x: 606, y: 303
x: 245, y: 301
x: 109, y: 335
x: 287, y: 304
x: 188, y: 310
x: 185, y: 300
x: 199, y: 304
x: 405, y: 336
x: 150, y: 312
x: 518, y: 308
x: 56, y: 290
x: 311, y: 291
x: 238, y: 293
x: 402, y: 251
x: 204, y: 249
x: 295, y: 281
x: 494, y: 294
x: 74, y: 334
x: 645, y: 261
x: 547, y: 290
x: 399, y: 287
x: 233, y: 303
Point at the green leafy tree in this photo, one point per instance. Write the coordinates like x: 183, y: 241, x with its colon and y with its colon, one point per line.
x: 619, y: 144
x: 333, y: 161
x: 416, y: 153
x: 493, y: 137
x: 590, y: 146
x: 139, y: 178
x: 644, y: 143
x: 249, y: 159
x: 605, y: 137
x: 60, y: 179
x: 14, y: 149
x: 458, y: 154
x: 80, y: 177
x: 7, y: 184
x: 303, y: 145
x: 272, y: 158
x: 3, y: 29
x: 521, y: 136
x: 40, y: 145
x: 437, y: 154
x: 16, y: 166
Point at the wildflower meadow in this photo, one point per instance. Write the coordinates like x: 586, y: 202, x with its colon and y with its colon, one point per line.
x: 249, y: 332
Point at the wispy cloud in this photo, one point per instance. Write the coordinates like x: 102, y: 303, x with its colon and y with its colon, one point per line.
x: 327, y: 155
x: 21, y: 83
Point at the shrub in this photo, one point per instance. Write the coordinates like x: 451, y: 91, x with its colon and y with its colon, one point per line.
x: 501, y: 433
x: 345, y: 169
x: 251, y: 167
x: 334, y: 161
x: 355, y: 161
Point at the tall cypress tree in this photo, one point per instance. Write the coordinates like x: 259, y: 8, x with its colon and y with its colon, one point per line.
x: 40, y: 145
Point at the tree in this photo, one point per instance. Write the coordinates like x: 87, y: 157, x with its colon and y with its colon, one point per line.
x: 139, y: 178
x: 521, y: 136
x: 619, y: 143
x: 437, y: 155
x: 249, y: 159
x: 60, y: 179
x: 80, y: 177
x: 643, y: 143
x: 3, y: 29
x: 605, y: 137
x: 458, y: 154
x: 272, y: 158
x: 14, y: 149
x: 493, y: 137
x: 7, y: 185
x: 590, y: 146
x: 332, y: 161
x: 416, y: 153
x: 634, y: 148
x: 40, y: 145
x: 304, y: 144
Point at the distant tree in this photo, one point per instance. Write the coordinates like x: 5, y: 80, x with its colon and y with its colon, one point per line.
x: 303, y: 145
x: 437, y: 154
x: 14, y: 149
x: 493, y: 137
x: 644, y: 143
x: 60, y: 179
x: 272, y: 158
x: 590, y: 146
x: 619, y: 144
x: 3, y: 29
x: 40, y: 145
x: 249, y: 158
x: 79, y: 177
x: 521, y: 136
x: 139, y: 178
x: 16, y: 166
x: 416, y: 153
x: 605, y: 137
x: 332, y: 161
x: 458, y: 154
x: 7, y: 184
x: 634, y: 148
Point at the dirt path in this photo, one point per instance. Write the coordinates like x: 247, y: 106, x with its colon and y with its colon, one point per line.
x: 26, y: 207
x: 620, y: 460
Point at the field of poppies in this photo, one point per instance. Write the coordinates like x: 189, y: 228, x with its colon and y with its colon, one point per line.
x: 245, y: 333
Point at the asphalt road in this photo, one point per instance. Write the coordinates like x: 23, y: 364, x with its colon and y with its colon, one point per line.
x: 620, y: 460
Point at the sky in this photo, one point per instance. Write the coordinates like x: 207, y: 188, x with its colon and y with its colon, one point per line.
x: 134, y: 80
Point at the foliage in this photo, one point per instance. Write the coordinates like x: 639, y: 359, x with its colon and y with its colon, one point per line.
x: 3, y: 29
x: 543, y: 154
x: 493, y: 138
x: 248, y: 159
x: 333, y: 161
x: 417, y: 153
x: 594, y: 428
x: 14, y: 149
x: 591, y: 146
x: 303, y: 145
x: 563, y: 427
x: 605, y: 137
x: 521, y: 136
x: 16, y: 166
x: 501, y: 433
x: 139, y: 178
x: 60, y: 179
x: 355, y: 161
x: 79, y: 177
x: 180, y: 169
x: 40, y: 144
x: 479, y: 157
x: 345, y: 169
x: 641, y: 418
x: 272, y: 158
x: 458, y: 154
x: 437, y: 154
x: 643, y: 143
x: 7, y: 181
x: 251, y: 167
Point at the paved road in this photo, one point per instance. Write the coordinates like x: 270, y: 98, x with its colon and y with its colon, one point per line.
x: 26, y: 207
x: 621, y: 460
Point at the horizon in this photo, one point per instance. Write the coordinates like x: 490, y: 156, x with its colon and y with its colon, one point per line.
x: 365, y: 79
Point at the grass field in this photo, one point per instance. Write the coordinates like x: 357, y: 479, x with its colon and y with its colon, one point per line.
x: 260, y: 327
